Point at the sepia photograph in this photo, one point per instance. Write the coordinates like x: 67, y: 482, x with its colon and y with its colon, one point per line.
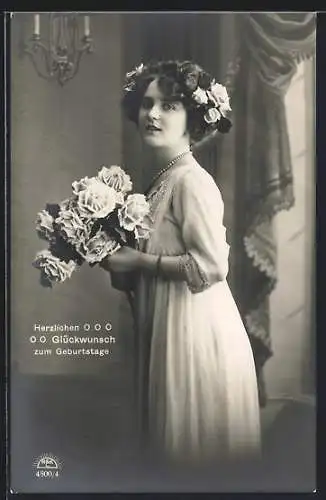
x: 162, y: 252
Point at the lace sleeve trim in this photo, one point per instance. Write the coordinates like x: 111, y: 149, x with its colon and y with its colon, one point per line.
x: 196, y: 278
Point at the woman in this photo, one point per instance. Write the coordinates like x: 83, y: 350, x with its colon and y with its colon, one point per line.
x: 196, y: 373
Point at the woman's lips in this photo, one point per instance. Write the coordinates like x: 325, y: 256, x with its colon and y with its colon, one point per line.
x: 152, y: 128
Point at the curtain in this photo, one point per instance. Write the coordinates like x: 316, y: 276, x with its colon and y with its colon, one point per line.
x: 273, y: 44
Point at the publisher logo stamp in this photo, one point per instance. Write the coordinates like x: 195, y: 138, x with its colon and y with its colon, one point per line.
x: 47, y: 466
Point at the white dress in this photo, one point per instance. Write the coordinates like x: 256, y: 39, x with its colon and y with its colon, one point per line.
x: 195, y: 372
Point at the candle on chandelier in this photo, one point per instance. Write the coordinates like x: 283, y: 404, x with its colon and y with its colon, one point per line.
x: 37, y: 24
x: 87, y: 26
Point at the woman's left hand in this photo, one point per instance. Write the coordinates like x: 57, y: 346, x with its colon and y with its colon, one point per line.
x: 124, y: 260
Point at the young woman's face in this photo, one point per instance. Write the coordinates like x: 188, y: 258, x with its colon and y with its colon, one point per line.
x: 162, y: 123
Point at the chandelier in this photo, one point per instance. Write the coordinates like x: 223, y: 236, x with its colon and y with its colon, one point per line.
x: 56, y: 47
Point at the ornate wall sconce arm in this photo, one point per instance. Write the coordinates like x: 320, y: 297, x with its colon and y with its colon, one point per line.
x: 57, y: 55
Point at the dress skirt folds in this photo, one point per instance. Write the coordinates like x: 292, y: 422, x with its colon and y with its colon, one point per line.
x: 196, y: 376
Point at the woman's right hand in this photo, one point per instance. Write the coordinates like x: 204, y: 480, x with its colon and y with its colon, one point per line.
x: 124, y: 260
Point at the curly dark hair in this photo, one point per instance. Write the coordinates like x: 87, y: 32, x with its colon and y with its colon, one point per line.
x: 177, y: 80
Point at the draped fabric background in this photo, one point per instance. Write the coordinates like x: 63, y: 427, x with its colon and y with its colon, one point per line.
x: 273, y: 44
x: 255, y: 56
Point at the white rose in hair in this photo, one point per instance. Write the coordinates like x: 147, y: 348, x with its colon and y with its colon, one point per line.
x: 200, y: 96
x: 219, y: 96
x: 212, y: 115
x: 136, y: 71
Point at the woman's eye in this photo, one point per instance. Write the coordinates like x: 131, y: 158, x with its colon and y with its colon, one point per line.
x: 167, y: 106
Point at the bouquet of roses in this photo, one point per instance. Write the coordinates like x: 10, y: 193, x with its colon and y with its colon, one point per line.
x: 99, y: 218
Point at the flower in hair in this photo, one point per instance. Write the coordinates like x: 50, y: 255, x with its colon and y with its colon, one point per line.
x: 200, y: 96
x: 194, y: 86
x: 216, y: 97
x: 212, y: 115
x: 218, y: 94
x: 135, y: 72
x: 130, y: 77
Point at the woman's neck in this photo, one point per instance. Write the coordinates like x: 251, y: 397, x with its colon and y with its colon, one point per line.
x: 161, y: 157
x: 156, y: 165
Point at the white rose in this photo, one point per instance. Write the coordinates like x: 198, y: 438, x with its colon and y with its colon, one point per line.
x: 116, y: 178
x: 66, y: 204
x: 97, y: 200
x: 129, y: 87
x: 82, y: 184
x: 142, y: 231
x: 219, y: 95
x: 98, y: 247
x: 200, y: 96
x: 52, y: 268
x: 133, y: 211
x: 137, y: 71
x: 44, y: 224
x: 212, y: 115
x: 72, y: 226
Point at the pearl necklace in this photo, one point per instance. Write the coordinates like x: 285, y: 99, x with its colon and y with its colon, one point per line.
x: 165, y: 169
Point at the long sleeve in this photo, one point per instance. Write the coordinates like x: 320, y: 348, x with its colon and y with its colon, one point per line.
x: 198, y: 209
